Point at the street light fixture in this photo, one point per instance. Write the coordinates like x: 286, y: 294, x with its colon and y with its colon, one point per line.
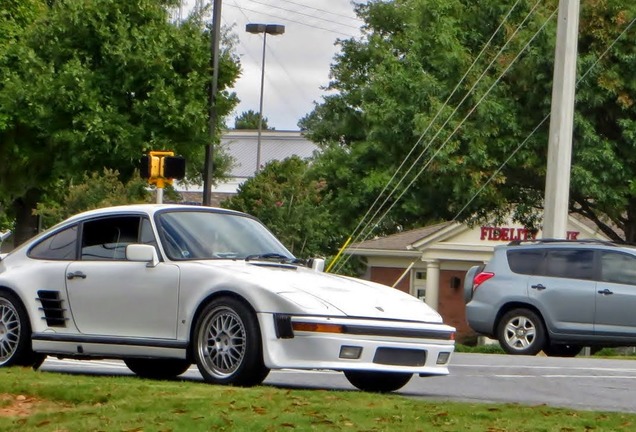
x: 272, y: 29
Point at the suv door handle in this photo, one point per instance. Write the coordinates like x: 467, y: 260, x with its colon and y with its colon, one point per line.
x: 605, y: 292
x: 77, y: 274
x: 538, y: 287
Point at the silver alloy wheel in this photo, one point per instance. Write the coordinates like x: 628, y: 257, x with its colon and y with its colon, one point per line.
x: 9, y: 330
x: 222, y: 342
x: 520, y: 332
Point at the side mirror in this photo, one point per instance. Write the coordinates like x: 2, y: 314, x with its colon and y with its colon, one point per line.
x: 142, y: 253
x: 316, y: 264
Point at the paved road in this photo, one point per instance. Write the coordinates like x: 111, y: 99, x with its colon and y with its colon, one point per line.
x: 580, y: 383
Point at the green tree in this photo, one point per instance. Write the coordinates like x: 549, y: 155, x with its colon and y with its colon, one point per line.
x: 249, y: 120
x: 90, y: 85
x: 282, y: 197
x: 94, y: 191
x: 391, y: 84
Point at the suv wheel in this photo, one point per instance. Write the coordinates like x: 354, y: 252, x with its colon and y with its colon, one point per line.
x: 521, y: 332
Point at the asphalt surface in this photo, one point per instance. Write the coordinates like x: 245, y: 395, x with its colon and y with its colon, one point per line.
x: 580, y: 383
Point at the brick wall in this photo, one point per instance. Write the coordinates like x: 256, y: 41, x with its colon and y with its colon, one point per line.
x: 388, y: 276
x: 451, y: 303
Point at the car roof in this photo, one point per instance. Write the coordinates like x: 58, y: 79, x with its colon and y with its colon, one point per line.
x: 560, y: 243
x: 149, y: 209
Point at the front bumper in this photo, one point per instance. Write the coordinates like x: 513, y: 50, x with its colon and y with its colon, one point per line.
x: 312, y: 342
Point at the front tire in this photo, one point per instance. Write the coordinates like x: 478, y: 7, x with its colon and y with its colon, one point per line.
x: 162, y: 369
x: 227, y: 344
x: 377, y: 382
x: 521, y: 332
x: 15, y: 334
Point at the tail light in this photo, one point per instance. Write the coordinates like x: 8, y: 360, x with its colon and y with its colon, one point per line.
x: 481, y: 278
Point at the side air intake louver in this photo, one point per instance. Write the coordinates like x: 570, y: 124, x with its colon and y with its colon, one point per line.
x: 52, y: 306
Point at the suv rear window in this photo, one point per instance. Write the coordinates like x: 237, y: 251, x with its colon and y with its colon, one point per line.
x: 525, y: 261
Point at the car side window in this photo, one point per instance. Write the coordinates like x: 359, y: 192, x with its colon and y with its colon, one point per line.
x: 525, y: 261
x: 147, y: 236
x: 618, y: 268
x: 570, y: 263
x: 59, y: 246
x: 107, y: 238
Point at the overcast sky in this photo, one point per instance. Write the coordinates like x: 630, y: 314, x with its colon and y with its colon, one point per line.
x: 296, y: 63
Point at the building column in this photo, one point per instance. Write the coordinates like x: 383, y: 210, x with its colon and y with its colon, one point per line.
x: 432, y: 283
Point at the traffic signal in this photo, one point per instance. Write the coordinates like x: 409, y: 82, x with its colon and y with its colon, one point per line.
x: 173, y: 167
x: 161, y: 167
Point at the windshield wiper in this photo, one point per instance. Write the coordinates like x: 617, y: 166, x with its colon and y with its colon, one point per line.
x: 274, y: 257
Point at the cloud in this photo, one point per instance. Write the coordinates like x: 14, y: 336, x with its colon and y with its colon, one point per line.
x: 296, y: 63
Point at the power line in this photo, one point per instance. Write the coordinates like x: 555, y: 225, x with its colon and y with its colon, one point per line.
x: 541, y: 123
x: 464, y: 120
x: 322, y: 10
x: 280, y: 64
x: 431, y: 124
x: 305, y: 14
x: 291, y: 20
x: 523, y: 143
x: 444, y: 125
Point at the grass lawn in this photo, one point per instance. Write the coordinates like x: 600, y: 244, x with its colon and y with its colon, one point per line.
x: 48, y: 401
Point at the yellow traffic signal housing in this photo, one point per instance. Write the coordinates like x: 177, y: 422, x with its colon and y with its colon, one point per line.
x: 162, y: 167
x: 154, y: 165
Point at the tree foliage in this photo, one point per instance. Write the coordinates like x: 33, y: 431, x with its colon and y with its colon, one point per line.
x: 249, y: 120
x: 95, y: 190
x: 289, y: 204
x: 90, y: 85
x: 476, y: 156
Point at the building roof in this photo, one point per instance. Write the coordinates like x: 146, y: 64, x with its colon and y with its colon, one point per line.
x: 400, y: 241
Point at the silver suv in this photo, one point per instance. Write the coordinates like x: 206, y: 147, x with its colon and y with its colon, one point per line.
x: 555, y: 295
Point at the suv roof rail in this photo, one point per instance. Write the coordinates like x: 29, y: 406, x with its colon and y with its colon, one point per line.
x: 555, y: 240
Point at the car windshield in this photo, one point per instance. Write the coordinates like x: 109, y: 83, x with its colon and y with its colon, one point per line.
x: 201, y: 234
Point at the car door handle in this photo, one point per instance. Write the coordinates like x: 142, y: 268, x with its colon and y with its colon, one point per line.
x: 77, y: 274
x: 538, y: 287
x: 605, y: 292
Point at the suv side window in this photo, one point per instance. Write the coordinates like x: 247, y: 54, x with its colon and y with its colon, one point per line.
x: 618, y: 267
x: 60, y: 246
x: 525, y: 261
x: 570, y: 263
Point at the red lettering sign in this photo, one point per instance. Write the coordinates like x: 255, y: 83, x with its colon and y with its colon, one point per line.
x: 511, y: 234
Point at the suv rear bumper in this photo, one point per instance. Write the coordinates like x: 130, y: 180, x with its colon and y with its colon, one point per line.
x: 481, y: 317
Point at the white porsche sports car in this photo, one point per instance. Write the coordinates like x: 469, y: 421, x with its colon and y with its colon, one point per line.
x: 165, y: 286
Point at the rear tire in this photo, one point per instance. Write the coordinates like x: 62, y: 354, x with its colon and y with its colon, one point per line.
x: 15, y: 334
x: 378, y: 382
x: 521, y: 332
x: 227, y: 345
x: 157, y: 368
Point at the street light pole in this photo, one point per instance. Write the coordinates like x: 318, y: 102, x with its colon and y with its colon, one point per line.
x: 212, y: 114
x: 260, y: 108
x: 273, y: 29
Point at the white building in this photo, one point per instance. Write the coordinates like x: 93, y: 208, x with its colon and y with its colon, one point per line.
x: 242, y: 147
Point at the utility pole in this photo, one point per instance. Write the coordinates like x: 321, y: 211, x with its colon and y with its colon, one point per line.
x: 557, y: 182
x: 212, y: 114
